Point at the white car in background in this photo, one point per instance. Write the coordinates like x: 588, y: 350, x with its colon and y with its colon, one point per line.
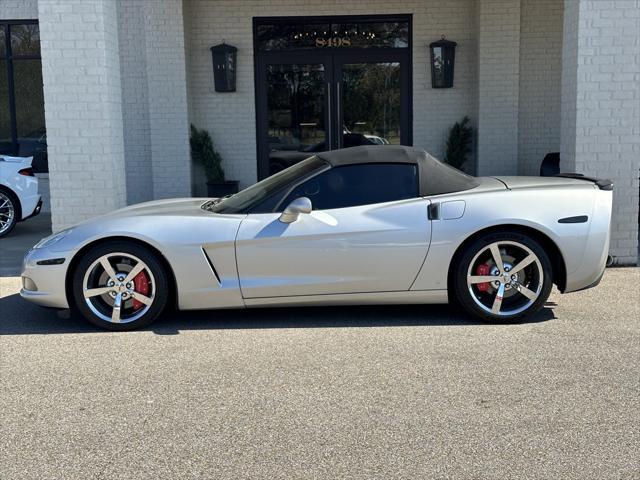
x: 19, y: 197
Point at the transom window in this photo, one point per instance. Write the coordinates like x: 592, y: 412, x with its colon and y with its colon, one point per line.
x: 285, y: 34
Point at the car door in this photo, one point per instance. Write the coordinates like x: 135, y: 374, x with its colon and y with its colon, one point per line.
x: 368, y: 232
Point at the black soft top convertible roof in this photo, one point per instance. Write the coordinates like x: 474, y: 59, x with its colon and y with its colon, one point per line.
x: 436, y: 177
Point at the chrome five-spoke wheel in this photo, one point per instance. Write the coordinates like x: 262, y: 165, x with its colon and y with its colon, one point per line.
x: 120, y: 285
x: 504, y: 276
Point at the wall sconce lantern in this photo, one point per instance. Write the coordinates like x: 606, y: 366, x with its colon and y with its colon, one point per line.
x: 443, y: 55
x: 224, y: 67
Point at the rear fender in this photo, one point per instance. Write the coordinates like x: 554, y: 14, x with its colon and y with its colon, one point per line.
x: 539, y: 209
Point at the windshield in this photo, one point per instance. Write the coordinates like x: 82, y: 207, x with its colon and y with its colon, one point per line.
x: 249, y: 197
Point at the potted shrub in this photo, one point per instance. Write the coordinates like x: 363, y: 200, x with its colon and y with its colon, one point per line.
x: 459, y: 144
x: 203, y: 153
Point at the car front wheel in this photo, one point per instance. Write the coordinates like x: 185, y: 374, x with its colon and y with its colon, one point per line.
x: 503, y: 277
x: 120, y: 286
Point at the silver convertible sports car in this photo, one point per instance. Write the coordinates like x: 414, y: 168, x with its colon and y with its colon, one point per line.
x: 364, y: 225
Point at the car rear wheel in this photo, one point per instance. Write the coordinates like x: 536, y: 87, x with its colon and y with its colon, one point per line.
x: 120, y: 286
x: 503, y: 277
x: 8, y: 212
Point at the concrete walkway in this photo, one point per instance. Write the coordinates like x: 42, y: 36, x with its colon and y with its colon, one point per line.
x: 24, y: 236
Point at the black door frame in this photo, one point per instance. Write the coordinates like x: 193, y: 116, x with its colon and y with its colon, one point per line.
x: 332, y: 58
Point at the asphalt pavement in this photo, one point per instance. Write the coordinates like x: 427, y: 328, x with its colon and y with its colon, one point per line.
x: 358, y: 392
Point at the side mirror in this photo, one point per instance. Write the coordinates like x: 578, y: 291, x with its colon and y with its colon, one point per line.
x: 294, y: 209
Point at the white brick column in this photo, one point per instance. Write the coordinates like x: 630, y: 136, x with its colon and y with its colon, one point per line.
x: 167, y: 93
x: 154, y: 97
x: 81, y: 75
x: 498, y: 86
x: 135, y: 101
x: 540, y: 82
x: 600, y: 132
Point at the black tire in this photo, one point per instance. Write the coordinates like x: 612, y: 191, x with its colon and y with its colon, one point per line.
x: 466, y: 299
x: 161, y: 284
x: 14, y: 204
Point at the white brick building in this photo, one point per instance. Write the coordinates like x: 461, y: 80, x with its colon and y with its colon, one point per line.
x: 123, y: 79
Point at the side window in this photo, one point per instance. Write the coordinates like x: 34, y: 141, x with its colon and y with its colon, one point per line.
x: 353, y: 185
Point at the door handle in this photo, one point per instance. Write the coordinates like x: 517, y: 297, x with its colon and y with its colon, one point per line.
x: 329, y: 116
x: 433, y: 211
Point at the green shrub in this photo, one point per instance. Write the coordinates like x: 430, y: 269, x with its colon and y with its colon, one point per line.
x: 459, y: 143
x: 203, y: 153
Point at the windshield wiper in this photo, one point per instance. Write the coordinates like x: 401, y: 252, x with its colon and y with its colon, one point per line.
x: 212, y: 203
x: 218, y: 200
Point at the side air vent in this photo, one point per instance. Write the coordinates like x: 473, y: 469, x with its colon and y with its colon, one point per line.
x: 213, y: 269
x: 576, y: 219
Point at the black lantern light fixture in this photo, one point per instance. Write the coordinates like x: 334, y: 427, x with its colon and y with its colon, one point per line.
x: 224, y: 67
x: 443, y: 55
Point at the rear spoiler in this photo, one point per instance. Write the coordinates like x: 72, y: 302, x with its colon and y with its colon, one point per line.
x: 26, y: 161
x: 602, y: 184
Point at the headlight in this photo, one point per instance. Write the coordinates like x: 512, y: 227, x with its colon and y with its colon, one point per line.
x: 52, y: 239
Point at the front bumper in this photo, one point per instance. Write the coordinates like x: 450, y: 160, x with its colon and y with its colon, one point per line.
x: 45, y: 284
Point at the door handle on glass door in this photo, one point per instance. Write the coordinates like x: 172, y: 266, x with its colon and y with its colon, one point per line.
x: 340, y: 126
x: 328, y: 129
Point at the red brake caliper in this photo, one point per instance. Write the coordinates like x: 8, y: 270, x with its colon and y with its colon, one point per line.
x: 141, y: 285
x: 482, y: 269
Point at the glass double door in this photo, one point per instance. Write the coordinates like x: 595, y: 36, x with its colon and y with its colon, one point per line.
x: 318, y: 101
